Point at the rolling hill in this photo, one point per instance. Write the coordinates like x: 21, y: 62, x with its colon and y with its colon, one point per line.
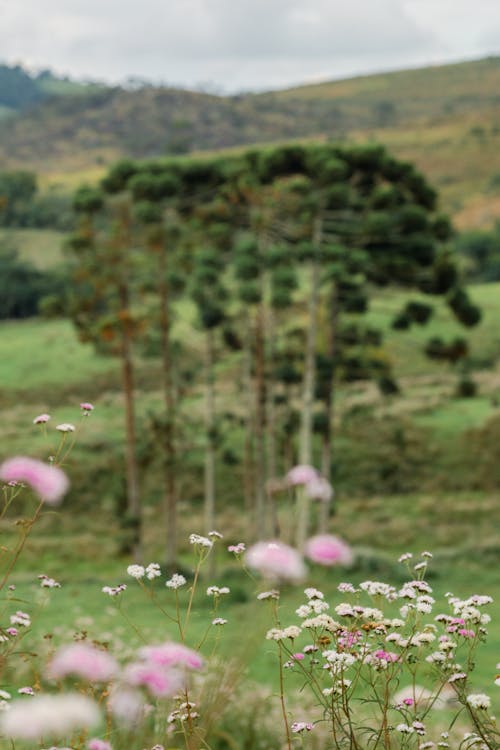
x: 446, y: 119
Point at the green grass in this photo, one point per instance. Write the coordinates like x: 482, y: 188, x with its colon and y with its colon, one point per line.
x: 41, y: 247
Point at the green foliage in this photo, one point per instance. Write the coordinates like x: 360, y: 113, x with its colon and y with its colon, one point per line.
x: 481, y: 251
x: 22, y: 286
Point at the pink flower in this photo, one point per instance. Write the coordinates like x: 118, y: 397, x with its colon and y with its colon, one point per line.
x: 327, y: 549
x: 319, y: 488
x: 41, y: 419
x: 276, y: 561
x: 298, y: 656
x: 97, y: 744
x: 301, y: 474
x: 83, y: 660
x: 49, y: 482
x: 86, y: 407
x: 172, y: 654
x: 159, y: 681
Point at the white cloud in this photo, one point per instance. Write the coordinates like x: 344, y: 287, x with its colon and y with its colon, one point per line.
x: 240, y: 43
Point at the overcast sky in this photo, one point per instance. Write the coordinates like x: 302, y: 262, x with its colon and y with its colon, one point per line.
x: 243, y: 44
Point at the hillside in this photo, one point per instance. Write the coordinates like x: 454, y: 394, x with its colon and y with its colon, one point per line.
x: 443, y: 118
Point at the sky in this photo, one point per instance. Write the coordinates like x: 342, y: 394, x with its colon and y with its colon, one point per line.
x: 229, y: 46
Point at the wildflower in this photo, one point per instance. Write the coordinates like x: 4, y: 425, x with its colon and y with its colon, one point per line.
x: 201, y: 541
x: 83, y: 660
x: 272, y: 594
x: 346, y: 588
x: 301, y: 726
x: 48, y: 583
x: 26, y: 691
x: 48, y: 715
x: 479, y: 700
x: 86, y: 407
x: 65, y: 427
x: 301, y: 474
x: 237, y: 549
x: 49, y: 482
x: 420, y: 566
x: 215, y: 535
x: 41, y: 419
x: 319, y: 488
x: 404, y: 729
x: 275, y: 634
x: 376, y: 588
x: 406, y: 556
x: 159, y: 681
x: 216, y: 591
x: 313, y: 593
x: 114, y: 590
x: 20, y: 618
x: 176, y: 581
x: 12, y: 631
x: 276, y: 561
x: 126, y: 705
x: 136, y: 571
x: 497, y: 680
x: 298, y: 656
x: 97, y: 744
x: 322, y: 621
x: 457, y: 676
x: 4, y: 695
x: 219, y: 621
x: 172, y: 654
x: 153, y: 571
x: 326, y: 549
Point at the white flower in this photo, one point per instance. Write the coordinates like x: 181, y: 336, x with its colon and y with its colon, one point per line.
x: 201, y: 541
x: 153, y: 571
x: 20, y: 618
x: 216, y: 591
x: 114, y: 590
x: 176, y: 581
x: 312, y: 593
x: 346, y: 588
x: 292, y: 631
x: 457, y: 676
x: 46, y: 715
x: 5, y: 695
x: 404, y: 729
x: 322, y: 621
x: 406, y: 556
x: 272, y: 594
x: 479, y: 700
x: 65, y: 427
x: 275, y: 634
x: 136, y: 571
x: 318, y: 606
x: 219, y: 621
x: 303, y: 611
x: 215, y: 535
x: 344, y: 610
x: 497, y: 680
x: 376, y: 588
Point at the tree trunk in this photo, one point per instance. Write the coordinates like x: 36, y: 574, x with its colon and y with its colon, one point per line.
x: 272, y: 468
x: 209, y: 504
x: 309, y: 382
x: 170, y: 499
x: 260, y: 427
x: 131, y: 470
x: 248, y: 458
x: 326, y: 508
